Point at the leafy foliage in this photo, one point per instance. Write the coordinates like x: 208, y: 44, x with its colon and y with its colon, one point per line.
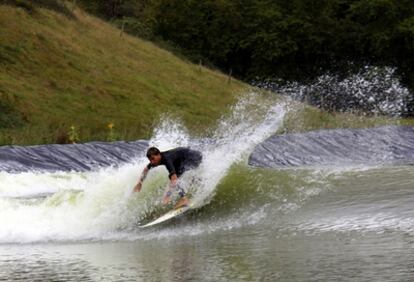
x: 31, y: 5
x: 290, y: 39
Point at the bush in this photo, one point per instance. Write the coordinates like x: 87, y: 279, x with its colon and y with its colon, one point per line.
x: 31, y: 5
x: 134, y: 27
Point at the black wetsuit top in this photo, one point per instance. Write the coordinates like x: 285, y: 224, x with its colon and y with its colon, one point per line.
x: 179, y: 160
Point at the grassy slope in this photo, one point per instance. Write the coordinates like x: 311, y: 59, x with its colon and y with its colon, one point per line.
x: 302, y: 118
x: 57, y: 72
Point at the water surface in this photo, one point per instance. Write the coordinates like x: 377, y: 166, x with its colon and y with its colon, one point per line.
x: 330, y: 223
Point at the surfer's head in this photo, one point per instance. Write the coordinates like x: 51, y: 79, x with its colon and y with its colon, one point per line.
x: 154, y: 156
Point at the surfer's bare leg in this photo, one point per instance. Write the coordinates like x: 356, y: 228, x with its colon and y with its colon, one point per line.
x: 169, y: 189
x: 182, y: 202
x: 167, y: 195
x: 173, y: 185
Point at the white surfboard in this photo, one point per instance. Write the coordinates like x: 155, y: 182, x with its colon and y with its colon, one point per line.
x: 169, y: 215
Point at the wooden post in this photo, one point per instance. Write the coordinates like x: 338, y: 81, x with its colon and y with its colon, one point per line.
x: 123, y: 27
x: 229, y: 78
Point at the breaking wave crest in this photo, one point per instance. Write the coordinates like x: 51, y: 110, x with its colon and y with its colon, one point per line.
x: 99, y: 204
x: 372, y: 90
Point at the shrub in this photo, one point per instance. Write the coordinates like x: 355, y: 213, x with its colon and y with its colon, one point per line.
x: 31, y: 5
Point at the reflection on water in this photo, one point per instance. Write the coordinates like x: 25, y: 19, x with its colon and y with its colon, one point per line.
x: 243, y: 255
x: 33, y: 266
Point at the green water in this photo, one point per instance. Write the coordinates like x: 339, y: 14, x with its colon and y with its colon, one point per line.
x: 341, y: 224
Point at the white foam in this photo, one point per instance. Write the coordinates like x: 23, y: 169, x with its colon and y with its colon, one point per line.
x: 235, y: 138
x: 100, y: 205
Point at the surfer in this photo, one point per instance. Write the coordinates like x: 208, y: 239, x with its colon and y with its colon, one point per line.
x: 177, y: 161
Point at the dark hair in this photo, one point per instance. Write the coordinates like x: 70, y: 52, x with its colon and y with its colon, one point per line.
x: 152, y: 151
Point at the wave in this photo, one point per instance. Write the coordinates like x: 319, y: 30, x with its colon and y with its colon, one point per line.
x: 98, y: 203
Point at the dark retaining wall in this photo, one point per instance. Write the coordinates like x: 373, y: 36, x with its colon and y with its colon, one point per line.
x: 381, y: 145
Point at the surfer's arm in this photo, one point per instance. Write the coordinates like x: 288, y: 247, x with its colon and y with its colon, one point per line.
x: 173, y: 180
x: 144, y: 173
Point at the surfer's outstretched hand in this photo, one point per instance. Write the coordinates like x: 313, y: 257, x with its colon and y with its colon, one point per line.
x: 137, y: 187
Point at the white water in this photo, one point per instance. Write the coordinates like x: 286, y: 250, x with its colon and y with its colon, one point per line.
x: 374, y: 90
x: 72, y: 206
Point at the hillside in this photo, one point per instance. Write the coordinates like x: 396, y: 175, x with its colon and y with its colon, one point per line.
x: 59, y: 71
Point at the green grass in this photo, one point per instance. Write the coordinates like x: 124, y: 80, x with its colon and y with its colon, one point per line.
x: 60, y: 71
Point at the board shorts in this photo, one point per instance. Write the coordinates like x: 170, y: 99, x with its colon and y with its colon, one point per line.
x: 181, y: 191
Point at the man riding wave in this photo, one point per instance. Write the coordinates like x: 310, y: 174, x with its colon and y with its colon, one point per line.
x: 177, y: 161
